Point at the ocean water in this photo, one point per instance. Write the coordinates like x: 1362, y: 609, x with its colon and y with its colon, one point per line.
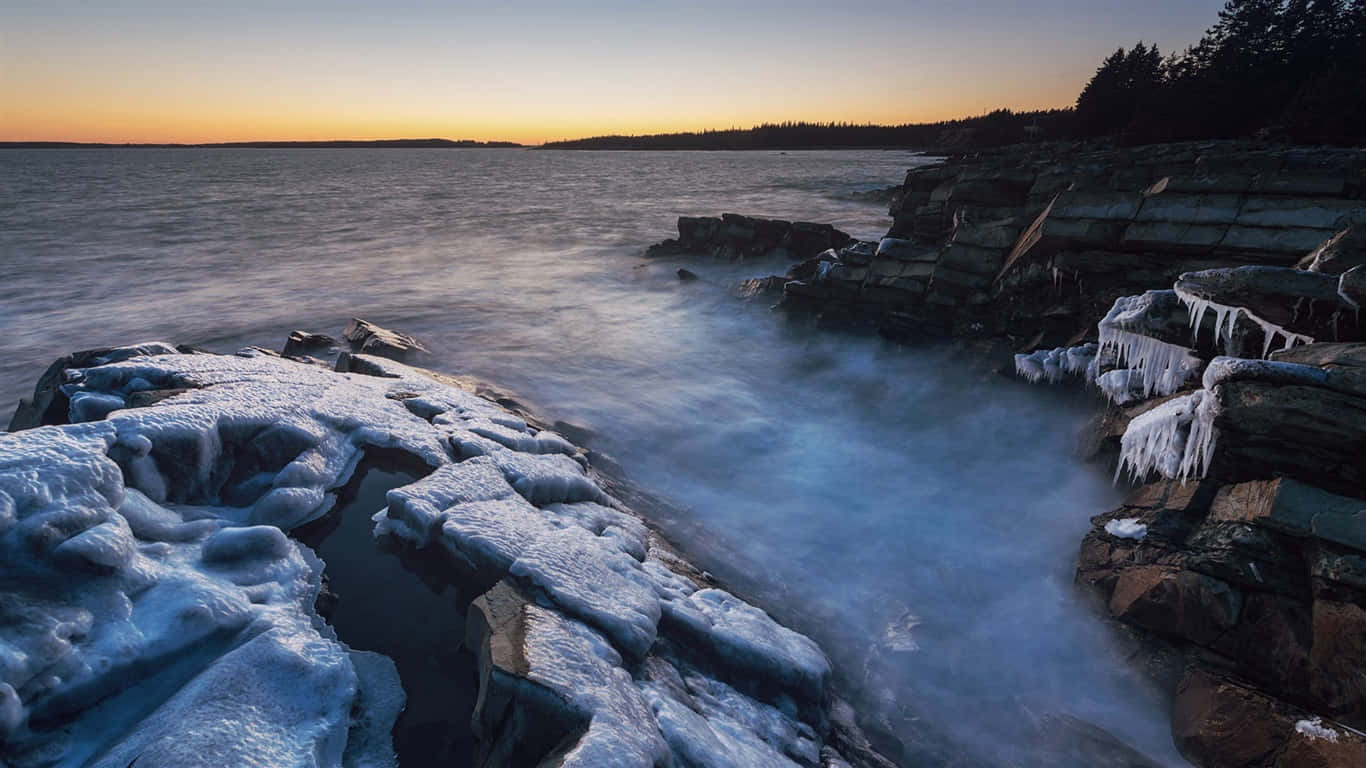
x: 917, y: 517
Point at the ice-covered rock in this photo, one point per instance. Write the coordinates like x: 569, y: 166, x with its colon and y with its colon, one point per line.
x: 1176, y: 439
x: 137, y: 631
x: 1133, y: 330
x: 157, y: 590
x: 1052, y: 365
x: 1272, y: 298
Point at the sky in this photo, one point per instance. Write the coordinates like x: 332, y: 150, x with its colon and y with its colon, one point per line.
x: 531, y: 71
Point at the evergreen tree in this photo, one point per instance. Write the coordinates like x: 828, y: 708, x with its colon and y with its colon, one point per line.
x: 1125, y: 81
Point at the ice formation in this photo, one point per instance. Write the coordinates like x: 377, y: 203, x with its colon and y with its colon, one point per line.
x: 1315, y: 729
x: 1051, y: 365
x: 161, y: 632
x: 1127, y: 528
x: 1122, y: 385
x: 162, y: 611
x: 1163, y: 368
x: 1176, y: 439
x: 1226, y: 317
x: 1225, y: 369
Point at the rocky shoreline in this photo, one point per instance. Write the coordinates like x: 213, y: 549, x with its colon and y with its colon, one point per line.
x: 1210, y: 294
x: 146, y: 502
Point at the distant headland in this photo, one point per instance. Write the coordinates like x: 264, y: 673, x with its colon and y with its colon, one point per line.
x: 332, y: 144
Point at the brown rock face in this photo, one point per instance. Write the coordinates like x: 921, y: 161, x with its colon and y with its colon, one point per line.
x: 1219, y: 723
x: 1185, y: 604
x: 1216, y: 724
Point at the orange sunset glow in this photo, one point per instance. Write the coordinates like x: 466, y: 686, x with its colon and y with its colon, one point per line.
x: 531, y: 72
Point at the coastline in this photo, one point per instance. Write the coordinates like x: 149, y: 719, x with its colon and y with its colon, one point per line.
x: 583, y: 621
x: 1138, y: 270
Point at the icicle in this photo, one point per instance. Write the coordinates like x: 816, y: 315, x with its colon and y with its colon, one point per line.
x: 1164, y: 367
x: 1226, y: 317
x: 1029, y: 368
x: 1077, y: 360
x: 1175, y: 439
x: 1052, y: 365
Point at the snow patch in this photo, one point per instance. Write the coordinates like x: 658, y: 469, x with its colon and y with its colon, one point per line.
x: 1127, y: 528
x: 1315, y: 729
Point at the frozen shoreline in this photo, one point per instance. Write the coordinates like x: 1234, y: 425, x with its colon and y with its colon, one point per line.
x: 189, y: 464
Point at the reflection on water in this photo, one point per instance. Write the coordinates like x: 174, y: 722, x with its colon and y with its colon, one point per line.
x: 376, y: 604
x: 919, y: 520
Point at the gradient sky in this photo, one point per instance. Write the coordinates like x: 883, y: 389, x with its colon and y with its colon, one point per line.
x: 529, y: 71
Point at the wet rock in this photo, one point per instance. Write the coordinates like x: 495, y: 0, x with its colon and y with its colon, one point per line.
x: 1174, y: 602
x: 735, y: 237
x: 302, y: 343
x: 1220, y: 723
x: 1217, y: 724
x: 372, y: 339
x: 771, y: 286
x: 685, y: 275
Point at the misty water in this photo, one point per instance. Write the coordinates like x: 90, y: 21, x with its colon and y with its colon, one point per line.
x: 918, y: 518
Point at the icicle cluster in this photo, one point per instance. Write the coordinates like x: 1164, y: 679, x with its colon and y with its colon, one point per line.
x: 1051, y: 365
x: 1226, y: 317
x: 1164, y: 368
x: 1175, y: 439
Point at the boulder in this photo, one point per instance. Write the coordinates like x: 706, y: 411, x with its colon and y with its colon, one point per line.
x: 302, y: 343
x: 733, y: 236
x: 368, y: 338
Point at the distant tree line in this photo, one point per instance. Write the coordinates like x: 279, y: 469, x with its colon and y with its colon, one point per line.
x: 1285, y: 69
x: 1291, y: 70
x: 999, y: 127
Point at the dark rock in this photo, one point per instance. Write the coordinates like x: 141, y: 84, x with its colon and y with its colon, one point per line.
x: 301, y: 343
x: 372, y: 339
x: 517, y: 720
x: 1217, y: 724
x: 350, y: 363
x: 734, y: 237
x: 686, y: 275
x: 1310, y: 433
x: 762, y: 286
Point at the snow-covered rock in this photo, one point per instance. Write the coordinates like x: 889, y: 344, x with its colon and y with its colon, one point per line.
x: 160, y: 608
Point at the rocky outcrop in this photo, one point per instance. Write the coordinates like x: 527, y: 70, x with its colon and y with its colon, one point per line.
x: 1246, y: 546
x: 734, y: 237
x: 368, y: 338
x: 145, y: 531
x: 1035, y: 244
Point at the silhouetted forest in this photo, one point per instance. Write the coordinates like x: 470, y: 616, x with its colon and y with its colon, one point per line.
x: 1000, y: 127
x: 1292, y: 70
x: 1282, y: 69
